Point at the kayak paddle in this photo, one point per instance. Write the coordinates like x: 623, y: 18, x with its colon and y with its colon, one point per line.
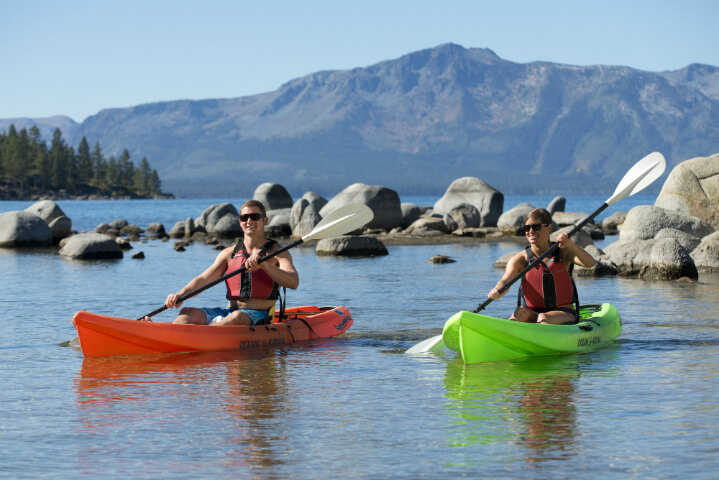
x: 343, y: 220
x: 640, y: 176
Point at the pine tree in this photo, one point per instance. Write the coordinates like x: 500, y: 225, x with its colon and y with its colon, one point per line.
x: 58, y: 161
x: 85, y: 168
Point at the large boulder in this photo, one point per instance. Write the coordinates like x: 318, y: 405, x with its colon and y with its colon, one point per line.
x: 474, y: 191
x: 668, y: 260
x: 692, y: 188
x: 60, y: 225
x: 305, y: 213
x: 222, y: 220
x: 273, y: 196
x: 428, y: 226
x: 462, y: 216
x: 686, y: 240
x: 603, y: 265
x: 383, y: 201
x: 278, y: 224
x: 23, y: 229
x: 645, y: 221
x: 91, y: 246
x: 613, y: 222
x: 706, y: 254
x: 563, y: 219
x: 155, y: 229
x: 351, y: 246
x: 183, y: 228
x: 583, y: 237
x: 410, y: 213
x: 511, y: 222
x: 663, y: 259
x: 558, y: 204
x: 629, y: 256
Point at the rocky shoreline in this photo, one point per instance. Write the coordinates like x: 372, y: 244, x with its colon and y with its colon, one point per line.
x: 675, y: 238
x: 9, y: 192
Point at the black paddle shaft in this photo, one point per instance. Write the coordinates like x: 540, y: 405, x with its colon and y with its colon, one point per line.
x: 549, y: 251
x: 225, y: 277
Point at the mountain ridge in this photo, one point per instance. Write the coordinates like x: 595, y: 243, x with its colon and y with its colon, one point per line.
x: 417, y: 122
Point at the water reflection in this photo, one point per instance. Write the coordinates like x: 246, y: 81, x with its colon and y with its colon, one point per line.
x: 529, y: 402
x: 238, y: 395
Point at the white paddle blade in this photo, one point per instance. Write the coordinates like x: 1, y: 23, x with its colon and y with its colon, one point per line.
x: 434, y: 344
x: 639, y: 177
x: 343, y: 220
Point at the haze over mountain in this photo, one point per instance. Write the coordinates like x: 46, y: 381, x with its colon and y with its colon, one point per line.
x: 416, y: 123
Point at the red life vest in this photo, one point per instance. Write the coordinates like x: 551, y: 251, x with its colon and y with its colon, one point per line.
x: 547, y: 286
x: 257, y: 284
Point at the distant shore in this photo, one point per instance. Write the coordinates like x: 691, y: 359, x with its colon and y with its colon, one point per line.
x: 84, y: 192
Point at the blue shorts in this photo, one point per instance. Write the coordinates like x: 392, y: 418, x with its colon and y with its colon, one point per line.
x: 214, y: 315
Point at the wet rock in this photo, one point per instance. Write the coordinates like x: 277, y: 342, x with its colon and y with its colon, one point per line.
x: 180, y: 245
x: 279, y: 223
x: 138, y: 255
x: 603, y: 266
x: 351, y: 246
x: 124, y: 244
x: 131, y: 230
x: 630, y: 257
x: 118, y: 224
x: 101, y: 228
x: 155, y: 230
x: 24, y: 229
x: 486, y: 199
x: 427, y: 226
x: 281, y: 230
x: 91, y: 246
x: 706, y: 254
x: 478, y: 232
x: 668, y: 260
x: 441, y: 259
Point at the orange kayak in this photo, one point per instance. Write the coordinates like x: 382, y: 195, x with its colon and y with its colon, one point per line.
x: 103, y: 336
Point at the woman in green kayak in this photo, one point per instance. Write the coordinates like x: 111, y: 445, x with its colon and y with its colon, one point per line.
x: 547, y: 290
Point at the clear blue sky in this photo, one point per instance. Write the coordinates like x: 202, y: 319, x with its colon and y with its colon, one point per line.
x: 76, y: 58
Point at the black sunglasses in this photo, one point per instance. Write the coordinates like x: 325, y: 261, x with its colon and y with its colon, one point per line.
x: 534, y: 226
x: 251, y: 216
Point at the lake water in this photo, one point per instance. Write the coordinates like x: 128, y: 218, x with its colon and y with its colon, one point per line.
x: 355, y: 406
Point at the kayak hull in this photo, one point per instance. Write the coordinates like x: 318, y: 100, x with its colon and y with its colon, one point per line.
x: 481, y: 338
x: 104, y: 336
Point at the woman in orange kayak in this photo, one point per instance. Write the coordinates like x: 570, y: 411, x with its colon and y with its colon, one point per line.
x: 251, y: 294
x: 547, y: 289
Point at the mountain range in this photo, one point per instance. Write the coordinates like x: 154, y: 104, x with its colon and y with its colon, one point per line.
x: 416, y: 123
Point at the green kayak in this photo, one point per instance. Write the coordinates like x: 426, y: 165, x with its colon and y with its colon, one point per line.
x: 480, y: 338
